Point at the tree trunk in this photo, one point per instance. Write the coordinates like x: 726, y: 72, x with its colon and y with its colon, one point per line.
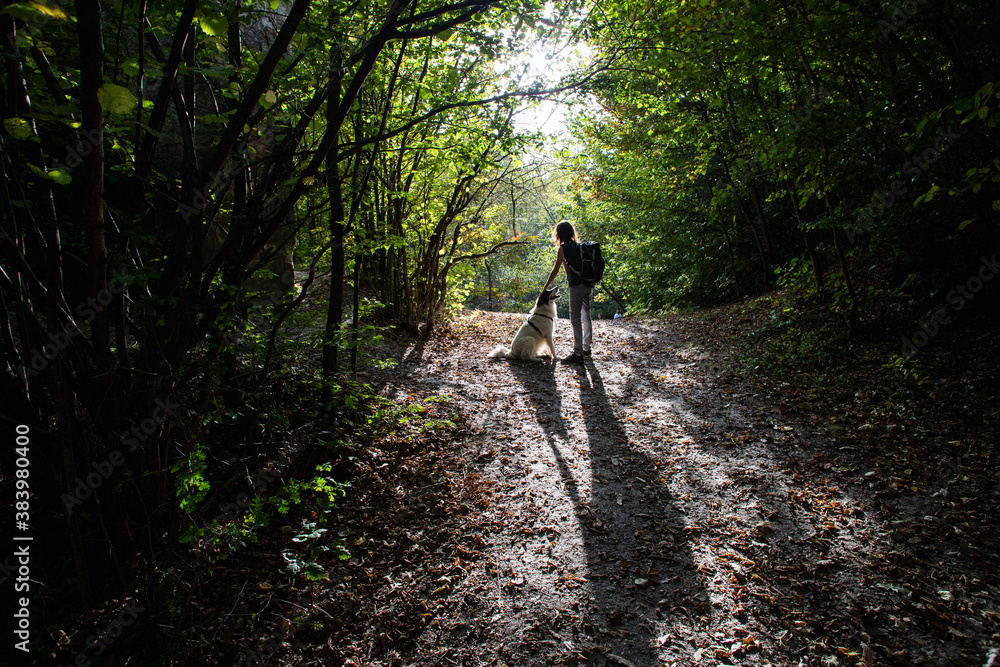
x: 852, y: 312
x: 810, y: 250
x: 489, y: 281
x: 615, y: 297
x: 355, y: 310
x: 764, y: 233
x: 729, y: 253
x: 92, y: 173
x: 335, y: 309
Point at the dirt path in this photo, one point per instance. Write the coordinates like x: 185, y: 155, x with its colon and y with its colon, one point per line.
x: 636, y: 511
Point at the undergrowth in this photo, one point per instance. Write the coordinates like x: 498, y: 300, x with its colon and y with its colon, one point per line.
x: 906, y: 411
x: 240, y: 492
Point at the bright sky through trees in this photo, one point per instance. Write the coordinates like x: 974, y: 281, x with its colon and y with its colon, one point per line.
x: 549, y: 114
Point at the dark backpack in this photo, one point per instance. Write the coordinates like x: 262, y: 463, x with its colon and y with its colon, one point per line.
x: 586, y: 261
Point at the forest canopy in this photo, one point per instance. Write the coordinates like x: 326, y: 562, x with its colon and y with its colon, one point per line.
x: 748, y: 143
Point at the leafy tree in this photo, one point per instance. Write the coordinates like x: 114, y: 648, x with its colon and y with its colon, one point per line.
x: 738, y: 138
x: 159, y: 160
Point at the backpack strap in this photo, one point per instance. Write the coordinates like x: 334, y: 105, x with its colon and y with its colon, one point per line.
x: 571, y: 267
x: 568, y: 264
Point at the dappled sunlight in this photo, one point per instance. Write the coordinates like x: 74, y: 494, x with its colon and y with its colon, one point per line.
x: 656, y: 515
x: 245, y: 254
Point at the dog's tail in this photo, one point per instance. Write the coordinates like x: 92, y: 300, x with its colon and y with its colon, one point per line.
x: 499, y: 352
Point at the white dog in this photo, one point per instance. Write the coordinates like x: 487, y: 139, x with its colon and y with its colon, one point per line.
x: 535, y: 333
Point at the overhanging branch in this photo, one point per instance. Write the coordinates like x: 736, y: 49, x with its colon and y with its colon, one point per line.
x: 491, y: 251
x: 358, y: 146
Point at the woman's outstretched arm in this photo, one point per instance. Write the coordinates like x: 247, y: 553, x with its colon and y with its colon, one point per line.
x: 555, y: 269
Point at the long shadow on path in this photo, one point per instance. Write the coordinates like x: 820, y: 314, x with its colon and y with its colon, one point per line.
x: 635, y: 578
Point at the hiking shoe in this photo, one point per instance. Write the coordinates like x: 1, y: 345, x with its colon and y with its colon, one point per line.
x: 587, y: 354
x: 573, y: 359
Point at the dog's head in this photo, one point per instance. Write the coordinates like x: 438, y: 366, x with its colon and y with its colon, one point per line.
x: 547, y: 296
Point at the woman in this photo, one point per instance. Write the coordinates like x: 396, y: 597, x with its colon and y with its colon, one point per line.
x: 564, y: 238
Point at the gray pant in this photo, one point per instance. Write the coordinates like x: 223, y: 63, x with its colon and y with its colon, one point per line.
x: 579, y: 317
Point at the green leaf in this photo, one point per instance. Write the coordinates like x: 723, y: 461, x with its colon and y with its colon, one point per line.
x: 18, y: 128
x: 116, y: 99
x: 130, y: 67
x: 63, y: 178
x: 268, y: 99
x: 445, y: 35
x: 149, y: 129
x: 216, y: 26
x: 38, y: 12
x: 314, y: 571
x: 964, y: 224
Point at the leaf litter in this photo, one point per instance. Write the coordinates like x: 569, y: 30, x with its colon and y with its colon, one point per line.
x: 636, y: 510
